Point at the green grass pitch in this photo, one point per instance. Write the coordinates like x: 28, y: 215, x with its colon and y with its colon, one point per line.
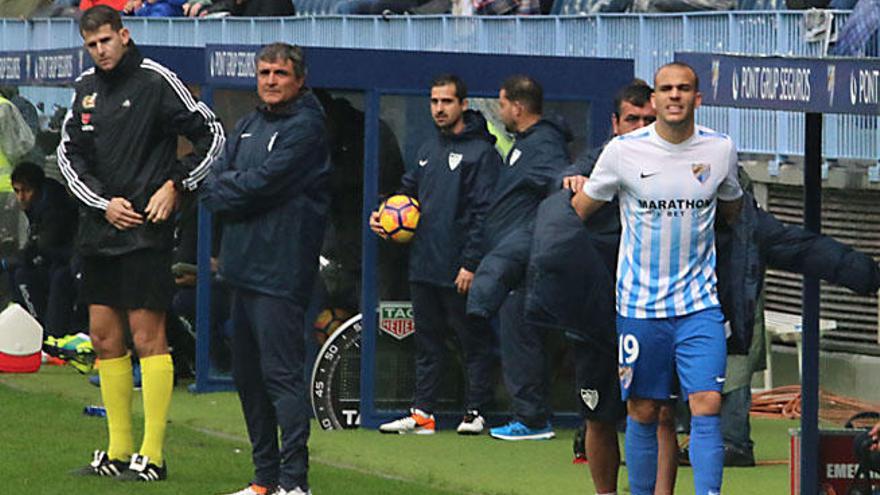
x: 45, y: 435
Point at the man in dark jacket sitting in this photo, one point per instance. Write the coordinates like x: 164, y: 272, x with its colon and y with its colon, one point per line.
x: 453, y: 182
x: 270, y: 191
x: 40, y: 274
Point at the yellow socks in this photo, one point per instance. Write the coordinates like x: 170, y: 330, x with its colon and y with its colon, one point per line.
x: 157, y: 375
x: 116, y: 390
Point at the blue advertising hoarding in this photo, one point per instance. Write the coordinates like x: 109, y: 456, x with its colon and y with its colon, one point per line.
x: 63, y: 66
x: 828, y: 85
x: 13, y: 68
x: 813, y: 87
x: 42, y: 67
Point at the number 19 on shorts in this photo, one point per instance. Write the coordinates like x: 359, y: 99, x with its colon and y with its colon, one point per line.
x: 627, y: 349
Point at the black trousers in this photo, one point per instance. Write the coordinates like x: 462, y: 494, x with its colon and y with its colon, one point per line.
x: 524, y: 363
x: 439, y: 313
x: 48, y: 294
x: 267, y: 362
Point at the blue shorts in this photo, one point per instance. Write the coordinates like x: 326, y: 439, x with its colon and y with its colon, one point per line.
x: 650, y: 351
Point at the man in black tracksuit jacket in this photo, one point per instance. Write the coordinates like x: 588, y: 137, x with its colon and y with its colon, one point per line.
x: 270, y: 190
x: 453, y: 183
x: 118, y: 153
x: 538, y: 155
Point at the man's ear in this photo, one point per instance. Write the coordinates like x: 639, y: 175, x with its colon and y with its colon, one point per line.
x: 125, y: 34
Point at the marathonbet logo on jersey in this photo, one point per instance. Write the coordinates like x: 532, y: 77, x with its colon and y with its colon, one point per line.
x: 673, y: 207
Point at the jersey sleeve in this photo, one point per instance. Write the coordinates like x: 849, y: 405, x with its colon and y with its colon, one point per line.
x: 605, y: 180
x: 730, y: 190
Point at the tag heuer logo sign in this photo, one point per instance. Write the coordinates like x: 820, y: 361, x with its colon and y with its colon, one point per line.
x: 396, y: 319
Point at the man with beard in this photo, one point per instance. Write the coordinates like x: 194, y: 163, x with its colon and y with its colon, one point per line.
x: 453, y: 182
x: 538, y: 155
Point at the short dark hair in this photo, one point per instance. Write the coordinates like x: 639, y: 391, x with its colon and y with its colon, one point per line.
x: 279, y: 52
x: 446, y: 79
x: 526, y: 91
x: 28, y: 173
x: 637, y: 93
x: 680, y: 65
x: 97, y: 16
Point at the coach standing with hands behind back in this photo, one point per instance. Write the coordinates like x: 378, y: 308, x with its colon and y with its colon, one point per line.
x: 270, y: 190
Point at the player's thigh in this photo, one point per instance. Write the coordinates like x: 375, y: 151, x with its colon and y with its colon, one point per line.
x: 645, y: 349
x: 701, y: 351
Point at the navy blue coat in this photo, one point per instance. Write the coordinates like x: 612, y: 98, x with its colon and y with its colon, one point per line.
x: 453, y: 182
x: 538, y: 155
x: 270, y: 190
x: 528, y: 175
x: 570, y: 277
x: 570, y: 281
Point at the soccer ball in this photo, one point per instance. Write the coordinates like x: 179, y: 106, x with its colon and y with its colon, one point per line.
x: 328, y: 321
x: 399, y: 216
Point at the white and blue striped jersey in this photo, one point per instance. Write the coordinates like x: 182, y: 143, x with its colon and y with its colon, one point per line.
x: 668, y: 193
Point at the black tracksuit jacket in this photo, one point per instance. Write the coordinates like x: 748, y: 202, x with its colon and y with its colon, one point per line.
x: 119, y: 139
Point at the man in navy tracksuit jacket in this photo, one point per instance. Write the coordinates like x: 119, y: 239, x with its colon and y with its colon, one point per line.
x: 453, y: 181
x: 270, y: 192
x: 537, y: 157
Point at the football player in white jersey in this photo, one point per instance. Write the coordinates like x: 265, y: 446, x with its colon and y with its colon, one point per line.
x: 670, y: 178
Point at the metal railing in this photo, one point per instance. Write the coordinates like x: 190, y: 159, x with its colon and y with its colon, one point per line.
x: 651, y: 40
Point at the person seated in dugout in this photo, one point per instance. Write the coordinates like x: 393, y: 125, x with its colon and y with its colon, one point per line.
x: 41, y: 277
x: 182, y: 317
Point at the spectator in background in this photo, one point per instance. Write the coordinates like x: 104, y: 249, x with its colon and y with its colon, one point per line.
x: 25, y: 108
x: 40, y: 274
x: 154, y: 8
x: 16, y: 140
x: 241, y: 8
x: 862, y: 26
x: 118, y: 5
x: 507, y: 7
x: 37, y: 154
x: 682, y: 5
x: 196, y: 8
x: 388, y: 7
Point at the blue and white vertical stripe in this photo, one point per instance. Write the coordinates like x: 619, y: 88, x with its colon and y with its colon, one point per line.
x: 667, y: 263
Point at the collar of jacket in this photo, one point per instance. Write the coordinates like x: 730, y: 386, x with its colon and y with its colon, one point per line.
x: 475, y: 127
x: 555, y: 122
x: 129, y: 62
x: 286, y: 109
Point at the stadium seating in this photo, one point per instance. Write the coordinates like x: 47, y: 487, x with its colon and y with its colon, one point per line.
x: 650, y: 40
